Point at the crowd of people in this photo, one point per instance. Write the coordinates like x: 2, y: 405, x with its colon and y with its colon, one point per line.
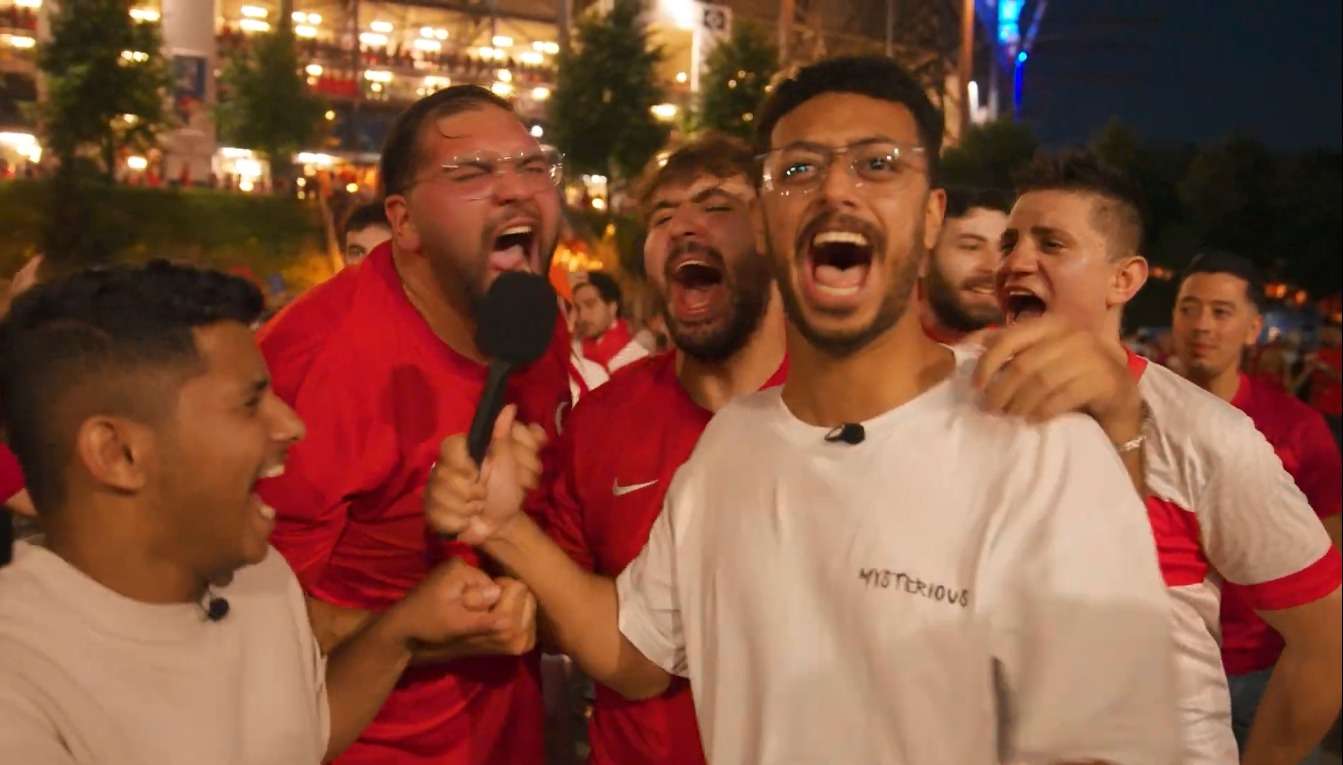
x: 897, y: 492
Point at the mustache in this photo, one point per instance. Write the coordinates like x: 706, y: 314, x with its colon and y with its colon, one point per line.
x: 830, y: 219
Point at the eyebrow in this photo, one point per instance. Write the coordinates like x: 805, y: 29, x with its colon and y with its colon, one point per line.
x: 826, y: 147
x: 1042, y: 231
x: 700, y: 196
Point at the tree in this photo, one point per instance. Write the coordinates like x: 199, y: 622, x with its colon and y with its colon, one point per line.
x: 989, y: 156
x: 606, y: 85
x: 107, y: 81
x: 735, y: 77
x: 265, y: 103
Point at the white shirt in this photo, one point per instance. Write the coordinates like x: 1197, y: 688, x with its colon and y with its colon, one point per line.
x: 90, y: 676
x: 957, y: 588
x: 1221, y: 507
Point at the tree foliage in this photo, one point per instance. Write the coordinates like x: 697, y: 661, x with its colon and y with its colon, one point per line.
x: 606, y: 84
x: 989, y: 156
x: 735, y: 76
x: 106, y: 82
x: 265, y: 103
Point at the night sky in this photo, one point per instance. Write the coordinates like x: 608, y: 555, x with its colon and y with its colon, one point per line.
x: 1188, y: 71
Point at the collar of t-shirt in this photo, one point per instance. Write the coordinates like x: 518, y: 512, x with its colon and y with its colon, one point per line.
x: 106, y: 611
x: 604, y: 347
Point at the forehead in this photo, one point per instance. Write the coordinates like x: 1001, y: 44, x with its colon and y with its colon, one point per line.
x: 229, y: 350
x: 675, y: 192
x: 484, y: 128
x: 979, y: 220
x: 838, y: 119
x: 1070, y: 211
x: 1215, y: 286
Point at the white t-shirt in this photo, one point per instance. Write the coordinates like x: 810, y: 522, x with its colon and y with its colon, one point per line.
x: 1222, y: 507
x: 90, y: 676
x: 957, y: 588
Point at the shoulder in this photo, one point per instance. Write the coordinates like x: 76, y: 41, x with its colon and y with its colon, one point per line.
x: 1182, y: 409
x: 297, y: 337
x: 625, y: 389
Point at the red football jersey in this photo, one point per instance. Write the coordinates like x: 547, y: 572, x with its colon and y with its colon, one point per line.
x: 1302, y: 441
x: 379, y: 392
x: 617, y: 457
x: 11, y: 474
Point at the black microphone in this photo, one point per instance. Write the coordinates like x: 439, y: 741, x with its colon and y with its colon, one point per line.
x: 216, y: 608
x: 851, y: 433
x: 514, y: 326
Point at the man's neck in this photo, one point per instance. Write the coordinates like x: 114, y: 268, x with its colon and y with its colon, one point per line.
x: 1223, y: 385
x: 827, y: 390
x: 712, y: 384
x: 450, y: 320
x: 118, y: 557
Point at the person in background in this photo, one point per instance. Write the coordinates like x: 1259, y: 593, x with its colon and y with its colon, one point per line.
x: 1324, y: 374
x: 365, y: 228
x: 1220, y: 504
x: 603, y: 335
x: 623, y: 443
x: 959, y: 299
x: 382, y: 364
x: 1217, y: 317
x: 153, y: 622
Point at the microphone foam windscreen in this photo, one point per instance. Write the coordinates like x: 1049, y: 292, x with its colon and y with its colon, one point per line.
x: 517, y: 318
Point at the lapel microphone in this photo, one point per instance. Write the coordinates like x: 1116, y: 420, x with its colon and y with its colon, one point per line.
x: 215, y: 607
x: 850, y: 433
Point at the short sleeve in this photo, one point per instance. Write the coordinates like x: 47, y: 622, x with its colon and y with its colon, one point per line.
x: 1258, y: 530
x: 11, y: 475
x: 650, y: 612
x: 1077, y: 612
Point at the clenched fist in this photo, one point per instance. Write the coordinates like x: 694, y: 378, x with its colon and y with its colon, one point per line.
x: 473, y: 504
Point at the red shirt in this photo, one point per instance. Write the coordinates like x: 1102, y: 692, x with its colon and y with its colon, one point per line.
x: 11, y: 475
x: 1326, y: 394
x: 1304, y: 444
x: 378, y: 392
x: 618, y: 454
x: 604, y: 347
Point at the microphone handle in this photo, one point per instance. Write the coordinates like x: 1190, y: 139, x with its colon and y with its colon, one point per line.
x: 487, y: 410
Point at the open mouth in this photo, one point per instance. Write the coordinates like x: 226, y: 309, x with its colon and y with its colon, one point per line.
x: 1020, y: 303
x: 513, y: 247
x: 694, y: 281
x: 839, y: 262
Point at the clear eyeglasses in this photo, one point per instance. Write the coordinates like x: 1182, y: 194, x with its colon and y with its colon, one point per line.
x: 476, y: 176
x: 801, y: 168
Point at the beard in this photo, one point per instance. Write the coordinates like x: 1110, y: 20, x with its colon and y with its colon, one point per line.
x: 747, y: 283
x: 893, y: 304
x: 951, y: 310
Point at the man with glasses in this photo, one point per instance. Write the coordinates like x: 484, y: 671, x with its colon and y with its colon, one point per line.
x: 865, y: 566
x: 381, y: 364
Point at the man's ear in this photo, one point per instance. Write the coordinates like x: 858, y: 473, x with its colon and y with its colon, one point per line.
x: 405, y: 235
x: 116, y: 452
x: 1130, y: 275
x: 934, y: 212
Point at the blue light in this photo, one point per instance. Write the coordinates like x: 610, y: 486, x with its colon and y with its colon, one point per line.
x: 1009, y: 16
x: 1021, y: 57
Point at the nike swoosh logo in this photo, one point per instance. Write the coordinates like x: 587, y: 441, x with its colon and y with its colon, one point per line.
x: 620, y: 491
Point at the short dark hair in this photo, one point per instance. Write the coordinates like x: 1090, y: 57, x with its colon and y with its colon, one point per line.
x: 365, y: 215
x: 1082, y: 171
x: 1222, y: 262
x: 605, y: 285
x: 717, y: 154
x: 88, y: 343
x: 877, y: 77
x: 962, y: 200
x: 401, y: 151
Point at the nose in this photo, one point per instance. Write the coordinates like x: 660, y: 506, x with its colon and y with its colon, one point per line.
x: 509, y: 186
x: 838, y: 187
x: 1019, y: 260
x: 686, y: 223
x: 285, y: 425
x: 1203, y: 322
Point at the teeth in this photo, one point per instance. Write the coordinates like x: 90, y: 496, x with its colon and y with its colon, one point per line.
x: 837, y: 291
x: 684, y: 263
x: 267, y: 512
x: 275, y: 471
x: 839, y: 237
x: 520, y: 229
